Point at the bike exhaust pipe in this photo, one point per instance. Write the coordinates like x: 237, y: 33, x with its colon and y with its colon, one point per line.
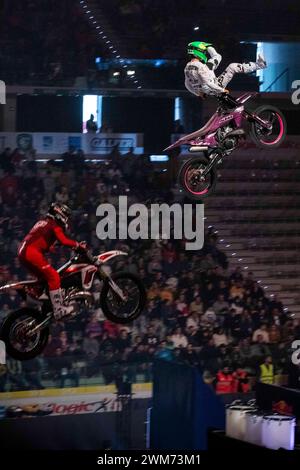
x: 196, y: 148
x: 81, y: 295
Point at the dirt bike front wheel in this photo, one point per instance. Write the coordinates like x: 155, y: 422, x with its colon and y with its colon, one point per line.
x: 274, y: 137
x: 129, y: 308
x: 191, y: 180
x: 16, y: 329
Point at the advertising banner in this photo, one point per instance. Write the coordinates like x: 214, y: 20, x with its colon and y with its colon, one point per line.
x: 73, y: 400
x: 57, y: 143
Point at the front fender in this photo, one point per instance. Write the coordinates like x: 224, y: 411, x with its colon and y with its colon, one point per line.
x: 108, y: 255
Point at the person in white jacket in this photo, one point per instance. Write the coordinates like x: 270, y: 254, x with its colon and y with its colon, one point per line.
x: 200, y: 78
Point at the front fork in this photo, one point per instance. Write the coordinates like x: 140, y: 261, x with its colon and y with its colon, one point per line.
x: 39, y: 326
x: 253, y: 117
x: 213, y: 158
x: 114, y: 287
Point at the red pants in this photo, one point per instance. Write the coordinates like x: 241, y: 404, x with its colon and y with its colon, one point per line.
x: 37, y: 264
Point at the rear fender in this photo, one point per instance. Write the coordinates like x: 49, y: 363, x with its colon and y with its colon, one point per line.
x: 18, y: 286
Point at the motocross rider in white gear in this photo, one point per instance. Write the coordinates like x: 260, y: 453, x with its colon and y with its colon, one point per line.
x: 200, y: 75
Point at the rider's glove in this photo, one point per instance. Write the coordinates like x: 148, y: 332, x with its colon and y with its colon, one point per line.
x: 81, y: 246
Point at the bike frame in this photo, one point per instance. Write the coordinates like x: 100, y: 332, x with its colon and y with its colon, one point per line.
x: 234, y: 114
x: 88, y: 271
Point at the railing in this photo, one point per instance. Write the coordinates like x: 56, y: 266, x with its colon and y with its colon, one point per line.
x: 64, y: 372
x: 285, y: 71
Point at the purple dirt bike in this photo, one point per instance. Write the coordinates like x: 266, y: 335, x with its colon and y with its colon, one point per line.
x: 221, y: 135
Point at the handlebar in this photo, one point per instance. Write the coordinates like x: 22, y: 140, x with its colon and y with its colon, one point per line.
x: 228, y: 99
x: 88, y: 255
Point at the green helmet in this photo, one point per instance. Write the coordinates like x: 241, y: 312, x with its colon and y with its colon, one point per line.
x: 198, y: 49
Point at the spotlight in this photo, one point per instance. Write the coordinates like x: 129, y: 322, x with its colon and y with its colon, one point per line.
x: 130, y: 72
x: 196, y: 28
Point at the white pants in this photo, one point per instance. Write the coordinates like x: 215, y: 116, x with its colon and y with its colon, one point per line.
x: 234, y: 68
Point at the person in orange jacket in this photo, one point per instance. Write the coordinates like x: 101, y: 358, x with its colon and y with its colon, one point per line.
x: 241, y: 381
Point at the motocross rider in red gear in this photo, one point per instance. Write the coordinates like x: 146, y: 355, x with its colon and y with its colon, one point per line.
x: 41, y: 238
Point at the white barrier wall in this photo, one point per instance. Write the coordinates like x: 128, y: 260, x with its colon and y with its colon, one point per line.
x: 58, y: 143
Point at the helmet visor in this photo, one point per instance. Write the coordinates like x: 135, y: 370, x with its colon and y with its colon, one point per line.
x: 196, y: 53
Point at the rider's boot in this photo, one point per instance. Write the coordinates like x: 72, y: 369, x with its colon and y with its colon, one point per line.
x: 261, y: 61
x: 59, y: 309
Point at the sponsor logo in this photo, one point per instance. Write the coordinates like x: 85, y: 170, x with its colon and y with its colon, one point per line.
x: 75, y: 141
x: 24, y: 142
x: 102, y: 143
x: 71, y: 408
x: 47, y: 142
x: 226, y: 118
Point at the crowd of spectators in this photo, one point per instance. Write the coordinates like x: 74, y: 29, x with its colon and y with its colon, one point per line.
x: 199, y: 310
x: 45, y: 42
x: 48, y: 42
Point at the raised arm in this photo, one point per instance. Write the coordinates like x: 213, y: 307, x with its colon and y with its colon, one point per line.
x: 215, y: 58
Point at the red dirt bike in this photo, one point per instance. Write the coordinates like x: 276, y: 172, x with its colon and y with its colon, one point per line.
x: 25, y: 331
x: 221, y: 135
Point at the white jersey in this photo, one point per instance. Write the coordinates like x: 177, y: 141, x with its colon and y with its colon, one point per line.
x: 200, y: 78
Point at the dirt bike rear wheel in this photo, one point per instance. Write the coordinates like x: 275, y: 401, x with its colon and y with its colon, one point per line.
x: 190, y: 178
x: 276, y: 136
x: 20, y: 345
x: 118, y: 311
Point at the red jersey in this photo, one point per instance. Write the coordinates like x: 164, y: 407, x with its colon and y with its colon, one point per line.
x: 45, y: 233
